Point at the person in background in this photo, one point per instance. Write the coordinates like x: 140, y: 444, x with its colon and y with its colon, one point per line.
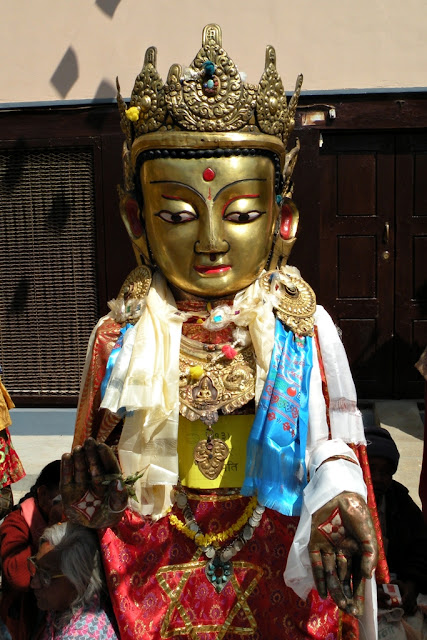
x: 11, y: 469
x: 421, y: 366
x: 68, y: 583
x: 19, y: 539
x: 402, y: 524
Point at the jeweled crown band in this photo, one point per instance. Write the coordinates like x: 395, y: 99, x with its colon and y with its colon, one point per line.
x: 195, y: 140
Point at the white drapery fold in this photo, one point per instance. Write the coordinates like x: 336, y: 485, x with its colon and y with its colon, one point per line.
x: 145, y: 383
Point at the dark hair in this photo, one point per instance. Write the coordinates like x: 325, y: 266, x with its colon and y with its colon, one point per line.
x: 49, y: 477
x: 380, y: 444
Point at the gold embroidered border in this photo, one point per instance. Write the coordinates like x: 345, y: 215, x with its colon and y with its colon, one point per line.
x: 213, y: 498
x: 175, y: 594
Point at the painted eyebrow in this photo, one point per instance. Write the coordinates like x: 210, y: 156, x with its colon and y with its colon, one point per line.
x: 237, y: 182
x: 230, y: 184
x: 181, y: 184
x: 240, y: 197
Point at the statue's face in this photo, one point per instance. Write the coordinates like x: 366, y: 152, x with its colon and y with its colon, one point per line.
x: 209, y: 222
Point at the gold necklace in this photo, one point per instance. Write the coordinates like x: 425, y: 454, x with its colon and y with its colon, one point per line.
x: 219, y: 567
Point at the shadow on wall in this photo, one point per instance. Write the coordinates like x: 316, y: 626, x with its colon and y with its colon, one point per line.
x: 107, y: 6
x: 66, y: 73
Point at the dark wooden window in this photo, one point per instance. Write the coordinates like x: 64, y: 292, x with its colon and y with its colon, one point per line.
x: 63, y: 249
x: 48, y: 296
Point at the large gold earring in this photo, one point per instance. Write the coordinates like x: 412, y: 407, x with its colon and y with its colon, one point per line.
x: 285, y: 234
x: 132, y: 218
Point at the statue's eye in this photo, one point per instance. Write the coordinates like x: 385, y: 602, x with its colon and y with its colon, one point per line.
x: 242, y: 217
x: 176, y: 217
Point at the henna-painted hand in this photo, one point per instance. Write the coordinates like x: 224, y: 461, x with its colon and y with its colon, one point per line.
x: 87, y: 496
x: 343, y: 550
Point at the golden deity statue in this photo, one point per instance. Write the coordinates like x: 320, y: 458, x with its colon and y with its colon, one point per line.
x: 237, y: 507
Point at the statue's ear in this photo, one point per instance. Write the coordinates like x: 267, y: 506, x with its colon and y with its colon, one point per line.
x: 132, y: 218
x: 285, y: 236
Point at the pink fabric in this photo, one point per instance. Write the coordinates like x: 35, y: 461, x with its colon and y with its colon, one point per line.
x: 33, y: 517
x: 85, y: 624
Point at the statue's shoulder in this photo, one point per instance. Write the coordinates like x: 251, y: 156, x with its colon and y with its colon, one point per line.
x: 293, y: 299
x: 131, y: 300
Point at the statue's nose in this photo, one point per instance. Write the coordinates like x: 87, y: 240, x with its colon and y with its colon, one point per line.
x: 211, y: 235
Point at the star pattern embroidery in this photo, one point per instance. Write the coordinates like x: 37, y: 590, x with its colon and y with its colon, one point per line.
x: 173, y: 579
x: 333, y: 528
x: 87, y: 505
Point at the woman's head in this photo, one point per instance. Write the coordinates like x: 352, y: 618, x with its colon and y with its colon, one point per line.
x: 66, y: 571
x: 46, y: 487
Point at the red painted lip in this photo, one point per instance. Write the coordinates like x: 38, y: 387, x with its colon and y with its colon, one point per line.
x: 208, y: 270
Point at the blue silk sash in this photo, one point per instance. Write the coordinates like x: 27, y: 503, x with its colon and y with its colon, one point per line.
x: 112, y: 358
x: 275, y: 459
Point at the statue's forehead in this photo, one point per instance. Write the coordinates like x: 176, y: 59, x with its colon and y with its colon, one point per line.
x: 215, y: 172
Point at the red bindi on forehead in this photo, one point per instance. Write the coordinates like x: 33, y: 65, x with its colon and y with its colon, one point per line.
x: 208, y: 174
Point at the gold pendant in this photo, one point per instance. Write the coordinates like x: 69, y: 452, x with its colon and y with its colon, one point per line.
x: 210, y: 455
x: 225, y: 385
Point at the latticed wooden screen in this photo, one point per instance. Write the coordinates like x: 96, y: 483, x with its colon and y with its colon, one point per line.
x: 48, y: 297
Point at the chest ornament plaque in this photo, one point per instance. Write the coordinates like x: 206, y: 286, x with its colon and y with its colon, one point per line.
x: 211, y: 381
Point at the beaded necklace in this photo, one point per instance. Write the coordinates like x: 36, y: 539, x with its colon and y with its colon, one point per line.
x: 219, y: 567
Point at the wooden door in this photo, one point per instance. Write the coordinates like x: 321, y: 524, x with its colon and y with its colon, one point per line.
x: 373, y: 243
x: 411, y: 261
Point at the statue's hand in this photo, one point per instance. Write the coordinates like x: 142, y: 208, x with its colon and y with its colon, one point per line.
x: 92, y: 488
x: 343, y: 550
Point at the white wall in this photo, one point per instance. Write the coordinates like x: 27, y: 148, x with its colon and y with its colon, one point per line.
x: 337, y: 44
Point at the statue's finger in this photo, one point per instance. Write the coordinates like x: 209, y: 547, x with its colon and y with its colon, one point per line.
x: 96, y: 469
x: 67, y: 471
x: 332, y: 582
x: 318, y: 572
x: 81, y: 476
x: 118, y: 498
x: 369, y: 558
x: 355, y: 604
x: 346, y: 579
x: 342, y: 566
x: 355, y: 608
x: 108, y: 459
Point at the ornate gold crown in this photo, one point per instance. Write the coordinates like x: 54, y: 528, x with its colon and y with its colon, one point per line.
x: 208, y: 96
x: 207, y: 107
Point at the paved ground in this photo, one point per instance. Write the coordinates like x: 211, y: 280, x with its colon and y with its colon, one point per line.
x: 54, y: 429
x: 55, y: 433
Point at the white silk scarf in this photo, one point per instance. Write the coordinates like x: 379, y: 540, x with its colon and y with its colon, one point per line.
x: 144, y: 384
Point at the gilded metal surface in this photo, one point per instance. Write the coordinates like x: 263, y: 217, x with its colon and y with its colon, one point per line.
x: 199, y: 231
x: 273, y: 114
x: 210, y: 457
x: 186, y: 102
x: 225, y: 385
x: 130, y: 302
x: 137, y: 284
x: 343, y: 529
x: 173, y: 139
x: 207, y: 106
x: 295, y: 301
x: 148, y: 95
x: 232, y: 105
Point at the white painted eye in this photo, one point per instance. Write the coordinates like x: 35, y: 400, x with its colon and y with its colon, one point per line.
x: 176, y: 217
x: 243, y: 217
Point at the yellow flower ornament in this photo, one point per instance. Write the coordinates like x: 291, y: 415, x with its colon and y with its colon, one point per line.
x: 132, y: 113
